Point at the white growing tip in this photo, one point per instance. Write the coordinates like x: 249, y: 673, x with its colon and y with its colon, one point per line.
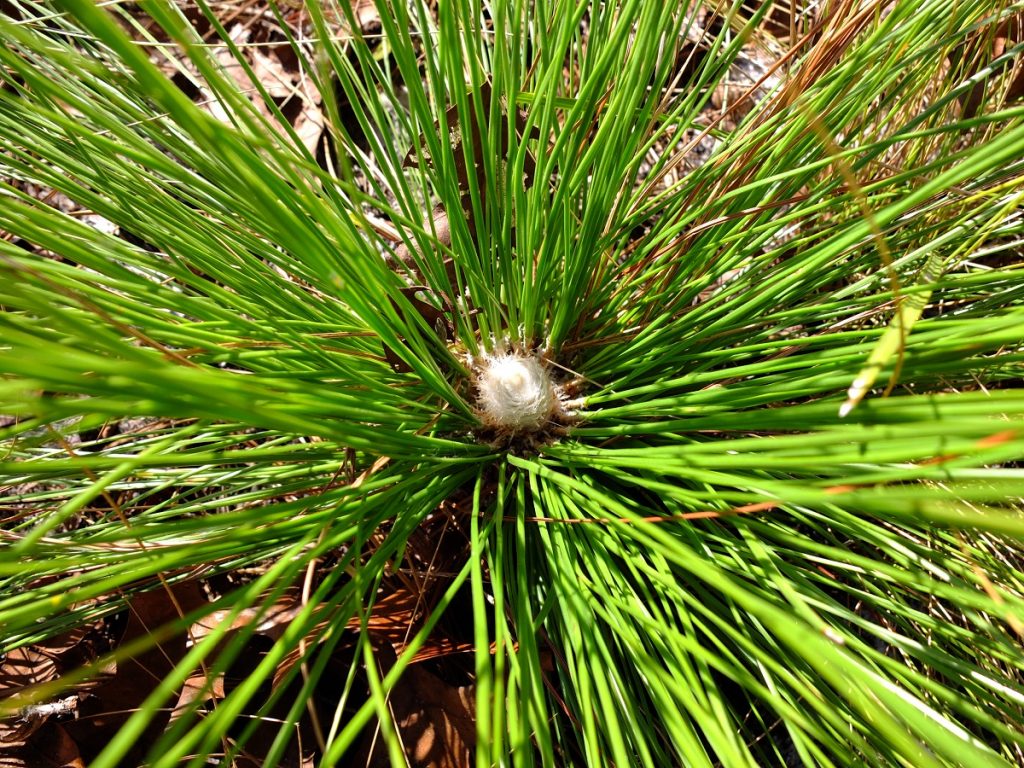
x: 855, y: 394
x: 515, y: 392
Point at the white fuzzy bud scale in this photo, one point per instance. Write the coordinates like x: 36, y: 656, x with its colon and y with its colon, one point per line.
x: 515, y: 392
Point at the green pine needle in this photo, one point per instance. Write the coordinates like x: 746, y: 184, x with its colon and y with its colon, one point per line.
x: 730, y: 546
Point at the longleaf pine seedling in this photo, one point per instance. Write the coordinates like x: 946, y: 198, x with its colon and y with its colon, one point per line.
x: 511, y: 382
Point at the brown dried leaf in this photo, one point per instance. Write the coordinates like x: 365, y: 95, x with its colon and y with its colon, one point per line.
x: 436, y: 722
x: 112, y: 702
x: 198, y: 689
x: 26, y: 666
x: 279, y: 73
x: 273, y: 621
x: 49, y: 747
